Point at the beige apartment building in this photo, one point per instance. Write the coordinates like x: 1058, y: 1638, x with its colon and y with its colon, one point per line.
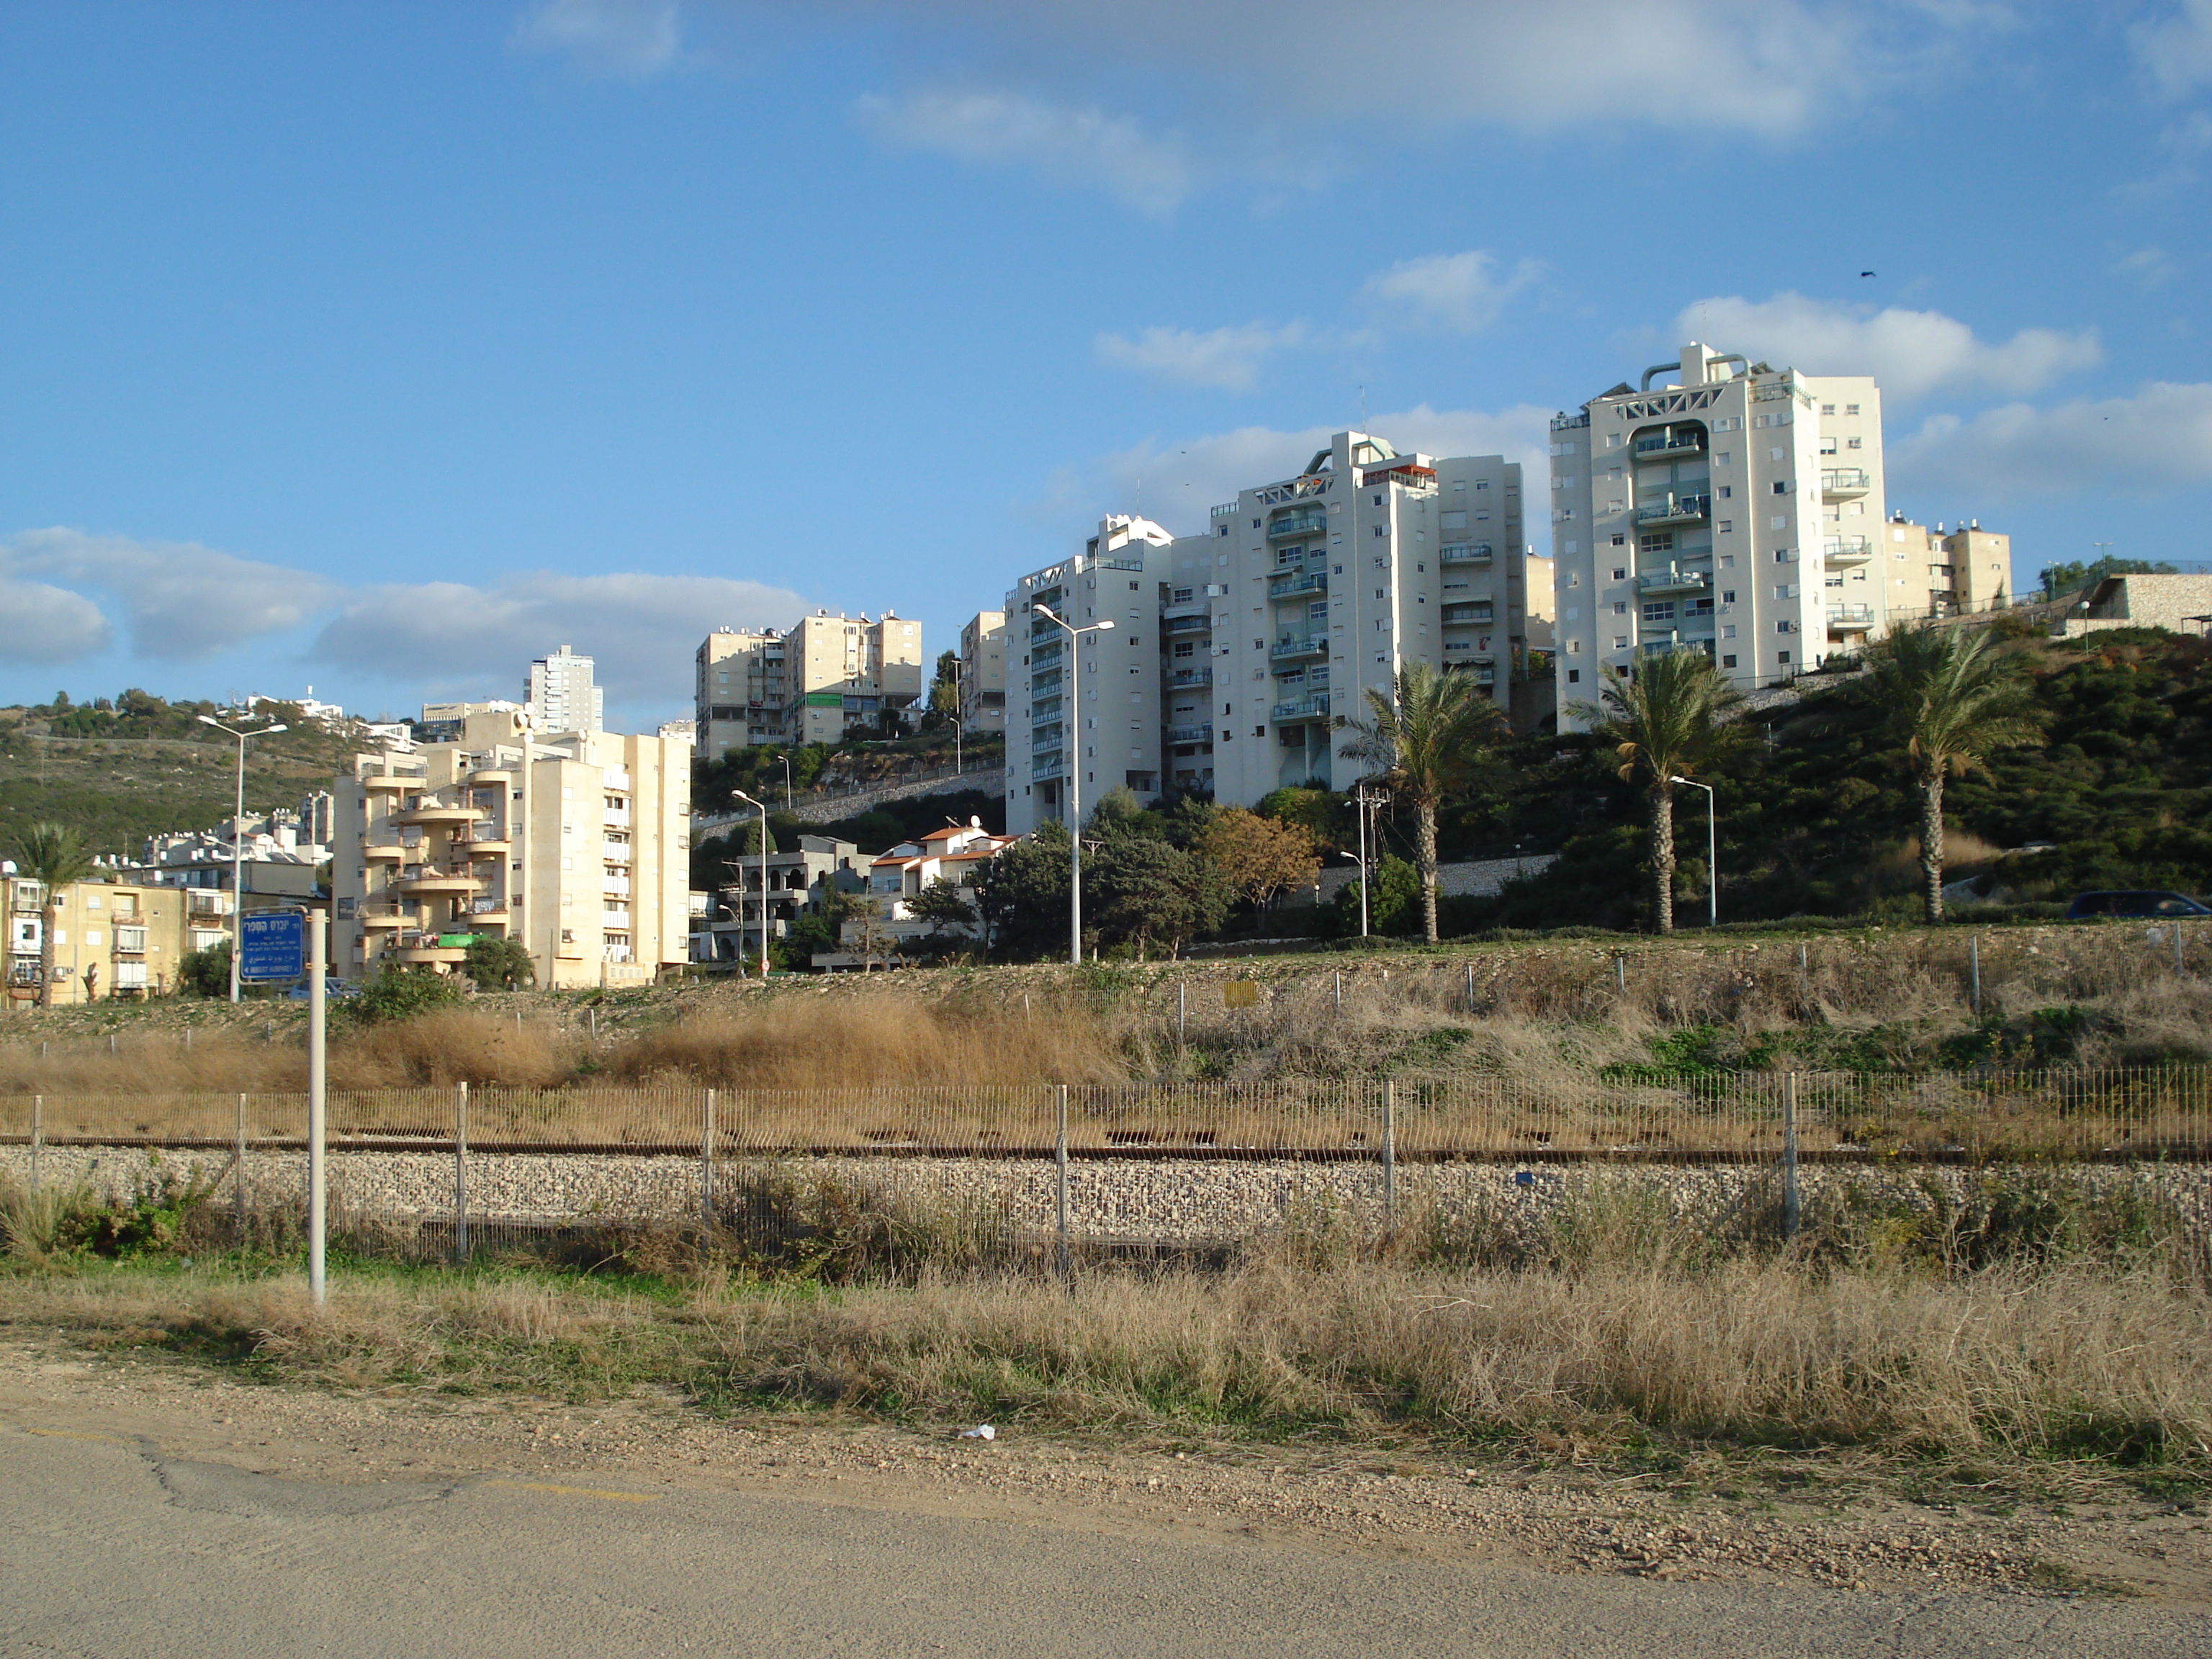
x: 111, y: 939
x: 845, y: 671
x: 1930, y: 573
x: 983, y: 672
x: 576, y: 843
x: 736, y: 695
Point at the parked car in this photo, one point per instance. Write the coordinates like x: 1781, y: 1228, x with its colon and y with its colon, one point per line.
x: 2088, y: 907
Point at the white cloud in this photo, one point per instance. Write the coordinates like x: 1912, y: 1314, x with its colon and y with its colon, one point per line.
x: 184, y: 601
x: 640, y: 630
x: 42, y: 623
x: 1064, y: 143
x: 2159, y: 439
x: 1911, y: 353
x: 1181, y: 481
x: 2148, y: 265
x: 627, y: 39
x: 2176, y: 50
x: 1766, y: 66
x: 1459, y: 291
x: 1226, y: 357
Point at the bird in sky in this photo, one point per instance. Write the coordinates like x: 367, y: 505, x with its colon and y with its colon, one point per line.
x: 1866, y: 273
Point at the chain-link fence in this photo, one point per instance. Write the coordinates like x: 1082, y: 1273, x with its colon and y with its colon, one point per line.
x: 445, y: 1171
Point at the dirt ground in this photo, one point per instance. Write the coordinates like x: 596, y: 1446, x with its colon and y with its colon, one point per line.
x: 2052, y: 1532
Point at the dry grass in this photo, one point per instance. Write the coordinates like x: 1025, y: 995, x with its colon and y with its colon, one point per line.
x: 2066, y: 1360
x: 896, y: 1037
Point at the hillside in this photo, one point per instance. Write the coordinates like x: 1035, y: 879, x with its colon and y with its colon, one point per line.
x: 121, y: 772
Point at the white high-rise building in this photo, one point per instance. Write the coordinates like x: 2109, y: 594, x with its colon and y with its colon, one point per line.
x: 1262, y: 633
x: 561, y: 697
x: 1731, y: 509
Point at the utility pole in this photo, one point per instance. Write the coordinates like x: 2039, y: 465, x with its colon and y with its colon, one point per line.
x: 1074, y: 752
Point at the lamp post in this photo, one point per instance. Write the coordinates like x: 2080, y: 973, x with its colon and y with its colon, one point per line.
x: 762, y: 808
x: 1366, y: 803
x: 786, y: 759
x: 957, y: 768
x: 1074, y: 774
x: 1360, y: 858
x: 1712, y: 855
x: 238, y: 841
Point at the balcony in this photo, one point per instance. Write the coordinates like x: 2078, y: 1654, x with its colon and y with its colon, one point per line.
x: 1047, y: 708
x: 450, y: 954
x: 1044, y: 768
x: 1048, y: 736
x: 614, y: 817
x: 391, y: 849
x: 1846, y: 550
x: 1845, y: 482
x: 1294, y: 650
x: 615, y: 852
x: 1675, y: 580
x: 1466, y: 553
x: 1190, y: 733
x: 1290, y: 587
x: 1850, y: 618
x: 1301, y: 709
x: 391, y: 780
x: 1044, y: 656
x: 1665, y: 446
x: 384, y: 916
x: 426, y: 812
x: 1677, y: 509
x: 1045, y: 685
x: 1178, y: 626
x: 1191, y: 677
x: 1123, y: 563
x: 1465, y: 616
x: 436, y: 879
x: 1307, y: 521
x: 618, y: 886
x: 1186, y: 608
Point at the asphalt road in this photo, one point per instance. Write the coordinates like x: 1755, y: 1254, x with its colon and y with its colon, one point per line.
x: 109, y: 1547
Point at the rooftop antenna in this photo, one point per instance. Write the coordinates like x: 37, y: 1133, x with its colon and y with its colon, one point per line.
x: 1363, y: 408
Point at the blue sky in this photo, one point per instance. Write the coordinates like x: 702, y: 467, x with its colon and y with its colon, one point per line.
x: 383, y: 346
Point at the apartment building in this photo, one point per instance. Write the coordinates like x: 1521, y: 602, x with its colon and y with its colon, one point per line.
x: 1928, y: 573
x: 1118, y: 577
x: 111, y: 939
x: 576, y: 843
x: 1731, y: 509
x: 737, y: 693
x: 441, y: 722
x: 983, y: 673
x: 562, y: 697
x: 955, y: 853
x: 847, y: 672
x: 1299, y: 596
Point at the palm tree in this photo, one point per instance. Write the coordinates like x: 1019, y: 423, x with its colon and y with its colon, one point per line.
x: 1951, y: 699
x: 1427, y: 735
x: 1665, y: 721
x: 54, y: 856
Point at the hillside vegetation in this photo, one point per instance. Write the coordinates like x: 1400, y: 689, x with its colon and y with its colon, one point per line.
x: 123, y: 769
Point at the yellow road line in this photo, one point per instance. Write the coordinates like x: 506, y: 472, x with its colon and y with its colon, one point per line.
x: 577, y: 1491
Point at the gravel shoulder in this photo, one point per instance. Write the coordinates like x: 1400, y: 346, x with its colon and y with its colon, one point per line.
x: 1846, y: 1524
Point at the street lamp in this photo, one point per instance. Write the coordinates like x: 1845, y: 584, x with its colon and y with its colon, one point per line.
x: 786, y: 759
x: 1366, y: 803
x: 1712, y: 856
x: 958, y: 769
x: 1360, y: 858
x: 238, y: 841
x: 750, y: 801
x: 1075, y: 775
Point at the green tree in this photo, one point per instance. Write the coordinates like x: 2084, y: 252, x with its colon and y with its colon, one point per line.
x: 944, y: 690
x: 396, y: 992
x: 2074, y: 575
x: 206, y: 973
x: 1393, y: 906
x: 1324, y: 813
x: 1023, y: 894
x: 1139, y: 890
x: 1951, y: 699
x: 1669, y: 719
x: 500, y: 964
x: 944, y: 907
x: 1259, y: 857
x: 1428, y: 735
x: 53, y: 856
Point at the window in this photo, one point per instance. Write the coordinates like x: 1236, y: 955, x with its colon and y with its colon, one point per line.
x: 1619, y: 576
x: 1659, y: 610
x: 1574, y: 677
x: 1776, y: 454
x: 1620, y: 541
x: 1726, y: 526
x: 1621, y: 641
x: 1851, y: 409
x: 1782, y: 486
x: 1828, y: 409
x: 1133, y: 587
x: 1854, y: 443
x: 1728, y: 661
x: 1620, y: 607
x: 1659, y: 542
x: 1782, y: 656
x: 1186, y: 649
x: 1721, y: 459
x: 1728, y: 596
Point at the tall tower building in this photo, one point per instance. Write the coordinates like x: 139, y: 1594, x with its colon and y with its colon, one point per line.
x: 736, y: 691
x: 844, y: 672
x: 561, y: 697
x: 1265, y: 628
x: 983, y: 672
x: 1730, y: 508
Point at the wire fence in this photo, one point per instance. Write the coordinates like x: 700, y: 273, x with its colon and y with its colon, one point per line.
x: 438, y: 1172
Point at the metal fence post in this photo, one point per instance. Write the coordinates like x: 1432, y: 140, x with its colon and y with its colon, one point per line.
x: 1790, y: 1155
x: 1974, y: 958
x: 38, y: 1130
x: 1470, y: 990
x: 706, y: 1163
x: 1621, y: 973
x: 1059, y: 1178
x: 1390, y: 1150
x: 238, y: 1152
x: 1179, y: 1013
x: 461, y: 1172
x: 1340, y: 997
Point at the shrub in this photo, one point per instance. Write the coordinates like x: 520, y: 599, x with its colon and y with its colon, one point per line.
x: 399, y: 993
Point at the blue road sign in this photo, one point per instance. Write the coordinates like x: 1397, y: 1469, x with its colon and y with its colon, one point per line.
x: 273, y: 944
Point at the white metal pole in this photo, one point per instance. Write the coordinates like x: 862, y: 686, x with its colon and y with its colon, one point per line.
x: 238, y: 870
x: 1074, y: 753
x: 1712, y: 853
x: 317, y: 1213
x: 1364, y: 883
